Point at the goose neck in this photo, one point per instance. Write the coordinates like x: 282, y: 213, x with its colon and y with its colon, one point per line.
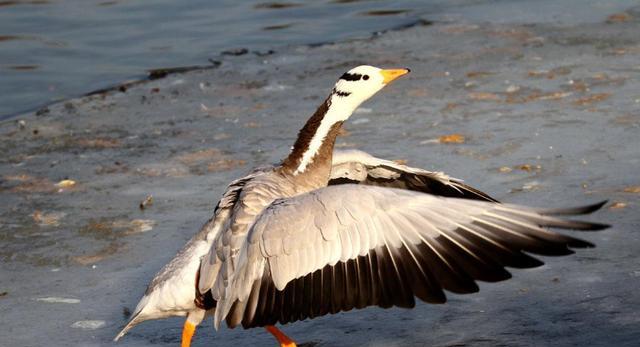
x: 312, y: 151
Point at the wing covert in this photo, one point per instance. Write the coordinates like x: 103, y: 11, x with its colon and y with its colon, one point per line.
x: 358, y: 167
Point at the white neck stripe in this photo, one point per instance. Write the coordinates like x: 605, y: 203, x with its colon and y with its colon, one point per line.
x: 338, y: 111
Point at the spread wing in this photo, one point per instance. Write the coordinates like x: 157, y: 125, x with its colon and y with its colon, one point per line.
x: 352, y: 246
x: 354, y: 166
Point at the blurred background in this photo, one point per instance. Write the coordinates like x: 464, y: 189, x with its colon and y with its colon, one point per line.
x: 55, y: 49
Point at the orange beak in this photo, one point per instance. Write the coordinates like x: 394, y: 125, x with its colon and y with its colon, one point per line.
x: 391, y: 74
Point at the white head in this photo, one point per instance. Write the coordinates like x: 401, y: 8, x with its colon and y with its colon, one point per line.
x: 360, y: 83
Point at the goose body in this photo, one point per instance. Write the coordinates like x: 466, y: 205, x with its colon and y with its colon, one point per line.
x: 324, y: 232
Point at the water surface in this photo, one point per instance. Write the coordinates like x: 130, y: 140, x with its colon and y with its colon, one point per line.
x: 52, y: 50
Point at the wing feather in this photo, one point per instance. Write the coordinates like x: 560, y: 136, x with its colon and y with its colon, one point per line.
x: 355, y: 166
x: 354, y: 246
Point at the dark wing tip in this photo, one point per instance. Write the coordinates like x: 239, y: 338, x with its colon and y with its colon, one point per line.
x: 587, y: 209
x: 574, y: 225
x: 471, y: 192
x: 577, y: 243
x: 597, y: 226
x: 596, y: 206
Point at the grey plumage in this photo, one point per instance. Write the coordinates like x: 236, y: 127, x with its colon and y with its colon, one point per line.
x: 291, y: 254
x: 171, y: 292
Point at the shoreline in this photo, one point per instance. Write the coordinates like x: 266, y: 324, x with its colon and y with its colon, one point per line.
x: 215, y: 61
x: 588, y: 11
x: 162, y: 72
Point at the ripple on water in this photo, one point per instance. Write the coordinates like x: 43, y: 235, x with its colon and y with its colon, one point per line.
x: 58, y: 300
x: 89, y: 324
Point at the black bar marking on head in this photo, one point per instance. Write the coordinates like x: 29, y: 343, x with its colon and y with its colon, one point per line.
x: 351, y: 76
x: 340, y: 93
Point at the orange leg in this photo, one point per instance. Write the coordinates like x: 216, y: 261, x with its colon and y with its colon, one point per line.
x: 187, y: 333
x: 284, y: 340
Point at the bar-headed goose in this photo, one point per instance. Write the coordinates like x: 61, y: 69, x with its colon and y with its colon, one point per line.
x: 324, y: 232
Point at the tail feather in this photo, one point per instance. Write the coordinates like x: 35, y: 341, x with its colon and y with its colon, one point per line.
x: 132, y: 323
x: 135, y: 319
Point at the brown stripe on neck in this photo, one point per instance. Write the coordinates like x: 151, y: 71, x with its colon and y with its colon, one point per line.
x: 324, y: 154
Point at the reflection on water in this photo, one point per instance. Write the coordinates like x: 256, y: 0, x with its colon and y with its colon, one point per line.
x: 54, y: 50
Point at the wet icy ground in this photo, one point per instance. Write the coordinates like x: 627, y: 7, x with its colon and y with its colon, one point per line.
x: 548, y: 115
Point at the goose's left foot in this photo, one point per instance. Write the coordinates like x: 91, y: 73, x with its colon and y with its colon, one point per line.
x: 284, y: 340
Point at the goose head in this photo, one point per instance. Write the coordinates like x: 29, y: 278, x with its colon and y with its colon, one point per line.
x: 360, y: 83
x: 317, y: 137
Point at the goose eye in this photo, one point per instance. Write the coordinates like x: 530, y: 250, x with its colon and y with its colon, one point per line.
x: 365, y: 77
